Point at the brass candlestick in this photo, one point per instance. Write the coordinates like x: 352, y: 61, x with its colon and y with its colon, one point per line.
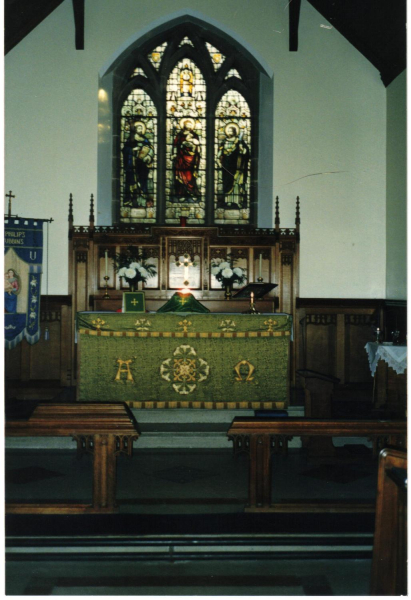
x: 252, y: 310
x: 260, y: 279
x: 106, y: 296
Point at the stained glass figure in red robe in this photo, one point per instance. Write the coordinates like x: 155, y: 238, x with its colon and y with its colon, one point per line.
x: 186, y: 162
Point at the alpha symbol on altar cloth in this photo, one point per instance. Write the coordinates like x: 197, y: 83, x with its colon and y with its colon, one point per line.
x: 124, y: 367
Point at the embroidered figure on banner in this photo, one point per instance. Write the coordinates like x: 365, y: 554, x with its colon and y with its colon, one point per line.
x: 23, y: 258
x: 11, y: 290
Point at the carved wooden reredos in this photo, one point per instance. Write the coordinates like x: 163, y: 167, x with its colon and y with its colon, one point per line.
x: 278, y: 247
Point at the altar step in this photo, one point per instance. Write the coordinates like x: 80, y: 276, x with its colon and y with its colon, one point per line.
x: 184, y: 547
x: 172, y: 537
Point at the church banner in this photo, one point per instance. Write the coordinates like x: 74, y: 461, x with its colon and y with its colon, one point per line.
x: 23, y: 258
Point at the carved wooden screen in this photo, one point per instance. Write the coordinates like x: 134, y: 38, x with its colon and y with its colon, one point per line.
x: 270, y: 255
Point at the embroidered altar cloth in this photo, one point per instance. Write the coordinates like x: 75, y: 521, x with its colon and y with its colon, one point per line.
x: 394, y: 356
x: 184, y: 360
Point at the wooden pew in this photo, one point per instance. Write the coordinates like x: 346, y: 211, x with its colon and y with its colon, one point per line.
x: 389, y: 562
x: 105, y: 430
x: 257, y: 436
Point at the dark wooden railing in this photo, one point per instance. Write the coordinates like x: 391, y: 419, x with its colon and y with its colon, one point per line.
x: 260, y: 436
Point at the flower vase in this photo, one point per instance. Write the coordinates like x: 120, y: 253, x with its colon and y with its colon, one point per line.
x: 228, y: 291
x: 133, y: 286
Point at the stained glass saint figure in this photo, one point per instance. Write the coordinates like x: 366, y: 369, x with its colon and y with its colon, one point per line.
x: 186, y: 160
x: 234, y: 155
x: 138, y: 155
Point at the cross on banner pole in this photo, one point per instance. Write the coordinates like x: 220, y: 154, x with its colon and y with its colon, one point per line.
x: 9, y: 215
x: 10, y: 196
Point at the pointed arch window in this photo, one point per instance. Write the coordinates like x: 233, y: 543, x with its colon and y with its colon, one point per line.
x: 187, y: 132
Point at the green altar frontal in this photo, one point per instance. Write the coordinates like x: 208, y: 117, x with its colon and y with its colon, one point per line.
x: 184, y: 360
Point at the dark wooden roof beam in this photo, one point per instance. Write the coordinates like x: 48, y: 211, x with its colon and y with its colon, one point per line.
x: 294, y: 7
x: 78, y: 9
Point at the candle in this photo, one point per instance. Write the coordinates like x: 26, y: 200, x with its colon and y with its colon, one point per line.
x: 106, y: 261
x: 252, y: 297
x: 260, y: 266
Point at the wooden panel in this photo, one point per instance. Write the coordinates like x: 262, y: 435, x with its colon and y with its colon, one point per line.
x: 320, y: 345
x: 12, y: 360
x: 357, y: 334
x: 47, y: 360
x: 45, y: 355
x: 331, y: 334
x: 223, y: 306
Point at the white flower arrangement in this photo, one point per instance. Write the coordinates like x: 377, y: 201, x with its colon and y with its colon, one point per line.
x: 225, y: 272
x: 133, y: 266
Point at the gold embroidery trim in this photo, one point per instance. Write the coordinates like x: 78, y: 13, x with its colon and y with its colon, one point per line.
x: 188, y: 334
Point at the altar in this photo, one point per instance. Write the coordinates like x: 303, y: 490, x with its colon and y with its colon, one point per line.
x: 184, y: 360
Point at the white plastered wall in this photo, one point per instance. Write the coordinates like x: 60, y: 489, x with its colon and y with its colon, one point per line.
x: 397, y: 188
x: 329, y: 118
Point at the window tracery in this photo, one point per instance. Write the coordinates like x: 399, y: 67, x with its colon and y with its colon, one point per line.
x: 187, y: 134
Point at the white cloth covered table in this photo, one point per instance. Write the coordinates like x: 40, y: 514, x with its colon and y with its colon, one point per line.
x: 394, y: 356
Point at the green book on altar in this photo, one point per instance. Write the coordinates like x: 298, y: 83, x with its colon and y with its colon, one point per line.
x: 134, y: 302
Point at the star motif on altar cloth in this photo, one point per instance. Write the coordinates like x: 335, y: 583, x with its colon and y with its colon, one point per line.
x: 185, y: 369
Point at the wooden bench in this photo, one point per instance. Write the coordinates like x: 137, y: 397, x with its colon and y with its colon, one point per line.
x: 104, y: 430
x: 257, y: 437
x: 389, y: 563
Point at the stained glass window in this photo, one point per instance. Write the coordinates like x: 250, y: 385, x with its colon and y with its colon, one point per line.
x: 156, y: 55
x: 187, y: 41
x: 138, y: 172
x: 186, y: 144
x: 186, y: 147
x: 138, y: 71
x: 232, y: 153
x: 216, y: 56
x: 233, y: 73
